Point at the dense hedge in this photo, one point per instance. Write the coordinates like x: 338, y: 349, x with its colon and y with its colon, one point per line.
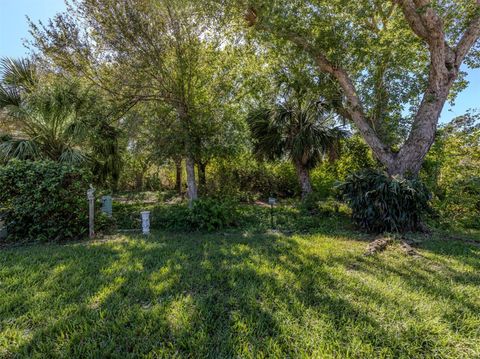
x: 43, y: 200
x: 381, y: 203
x: 207, y: 214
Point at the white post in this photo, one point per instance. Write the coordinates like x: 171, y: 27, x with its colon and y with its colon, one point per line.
x: 145, y: 222
x: 91, y: 211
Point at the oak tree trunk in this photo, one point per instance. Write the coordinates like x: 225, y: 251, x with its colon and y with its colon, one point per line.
x: 178, y: 175
x: 408, y: 161
x: 191, y: 182
x: 192, y: 191
x: 139, y: 181
x: 304, y: 179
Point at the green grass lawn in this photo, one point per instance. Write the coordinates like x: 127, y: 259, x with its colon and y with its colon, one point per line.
x: 239, y: 295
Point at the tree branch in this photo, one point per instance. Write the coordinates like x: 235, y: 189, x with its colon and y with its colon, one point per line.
x: 354, y: 110
x: 444, y: 67
x: 470, y: 36
x: 413, y: 18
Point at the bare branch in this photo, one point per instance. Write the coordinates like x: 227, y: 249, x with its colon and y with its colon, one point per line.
x: 470, y: 36
x: 354, y: 110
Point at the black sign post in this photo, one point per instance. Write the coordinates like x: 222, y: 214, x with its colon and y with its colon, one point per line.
x: 272, y: 202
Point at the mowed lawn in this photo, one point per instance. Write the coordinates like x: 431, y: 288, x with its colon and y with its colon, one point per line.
x: 239, y: 295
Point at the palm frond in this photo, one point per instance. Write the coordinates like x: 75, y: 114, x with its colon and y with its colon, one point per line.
x: 19, y: 149
x: 20, y: 73
x: 267, y: 134
x: 9, y: 96
x: 73, y: 156
x: 306, y: 135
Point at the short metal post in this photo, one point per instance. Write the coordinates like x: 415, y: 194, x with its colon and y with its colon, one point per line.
x: 145, y: 222
x: 272, y: 202
x: 91, y: 212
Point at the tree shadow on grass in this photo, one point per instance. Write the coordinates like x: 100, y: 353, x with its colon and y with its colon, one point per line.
x: 231, y: 296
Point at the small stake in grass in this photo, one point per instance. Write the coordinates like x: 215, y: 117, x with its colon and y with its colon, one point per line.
x: 91, y: 211
x: 145, y: 222
x: 272, y: 202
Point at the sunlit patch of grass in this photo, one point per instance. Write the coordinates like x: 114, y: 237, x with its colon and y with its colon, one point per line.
x: 240, y: 295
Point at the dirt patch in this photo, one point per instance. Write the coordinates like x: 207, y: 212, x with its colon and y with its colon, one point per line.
x: 378, y: 245
x: 409, y: 250
x: 381, y: 243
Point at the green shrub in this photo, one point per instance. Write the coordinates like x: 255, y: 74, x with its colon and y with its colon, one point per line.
x: 459, y: 207
x: 381, y: 203
x: 127, y: 215
x: 316, y: 204
x: 206, y: 214
x: 43, y: 201
x: 174, y: 217
x: 309, y: 204
x: 104, y: 223
x: 211, y: 214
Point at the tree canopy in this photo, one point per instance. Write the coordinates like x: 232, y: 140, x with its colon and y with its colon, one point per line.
x: 386, y: 57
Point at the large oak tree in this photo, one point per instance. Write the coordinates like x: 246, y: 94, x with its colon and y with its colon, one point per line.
x: 394, y: 61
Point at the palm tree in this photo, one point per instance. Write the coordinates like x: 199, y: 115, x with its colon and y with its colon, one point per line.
x: 304, y: 135
x: 43, y: 121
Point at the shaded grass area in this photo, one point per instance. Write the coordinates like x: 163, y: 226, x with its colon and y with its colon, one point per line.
x: 239, y: 295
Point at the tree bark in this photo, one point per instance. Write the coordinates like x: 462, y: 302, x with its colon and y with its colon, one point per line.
x: 191, y: 183
x: 192, y: 191
x: 139, y: 181
x: 178, y: 175
x: 304, y: 179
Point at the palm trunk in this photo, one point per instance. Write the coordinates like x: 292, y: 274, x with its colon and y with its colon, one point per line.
x: 191, y: 183
x: 304, y: 179
x: 178, y: 175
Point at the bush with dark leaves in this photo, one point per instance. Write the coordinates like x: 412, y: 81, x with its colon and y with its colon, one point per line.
x: 382, y: 203
x: 43, y: 201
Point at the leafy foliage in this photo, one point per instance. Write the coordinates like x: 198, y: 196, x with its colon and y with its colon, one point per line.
x: 50, y: 116
x: 206, y: 214
x: 452, y: 171
x: 248, y: 179
x: 381, y: 203
x: 315, y: 204
x: 211, y: 213
x: 46, y: 118
x: 43, y: 200
x: 180, y: 79
x: 305, y: 135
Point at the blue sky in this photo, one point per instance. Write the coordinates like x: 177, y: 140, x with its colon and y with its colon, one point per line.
x: 13, y: 22
x: 14, y: 28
